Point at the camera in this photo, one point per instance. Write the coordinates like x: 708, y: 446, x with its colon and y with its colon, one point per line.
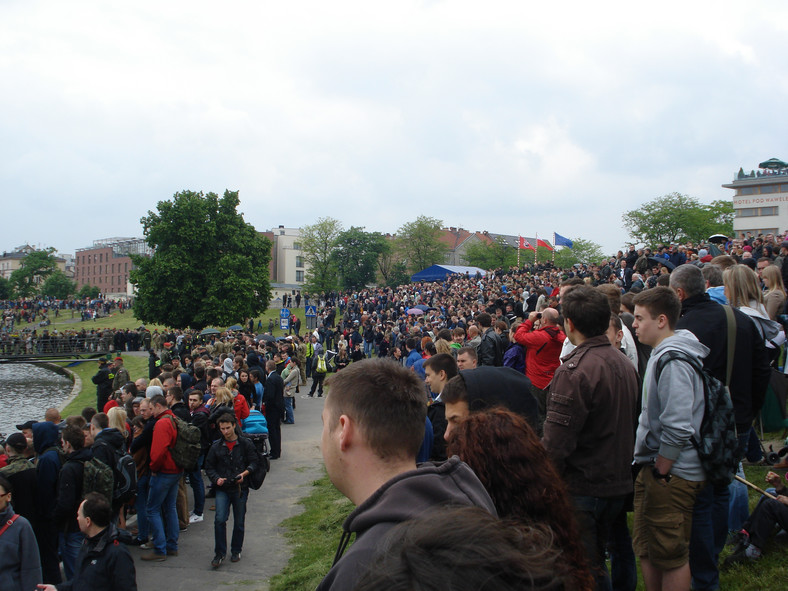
x: 538, y: 315
x: 233, y: 479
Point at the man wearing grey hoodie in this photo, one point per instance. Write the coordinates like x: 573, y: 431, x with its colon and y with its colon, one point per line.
x: 671, y: 475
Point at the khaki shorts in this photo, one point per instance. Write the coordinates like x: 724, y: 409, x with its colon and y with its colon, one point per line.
x: 663, y: 519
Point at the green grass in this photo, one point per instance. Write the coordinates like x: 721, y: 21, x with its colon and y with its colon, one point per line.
x: 313, y: 536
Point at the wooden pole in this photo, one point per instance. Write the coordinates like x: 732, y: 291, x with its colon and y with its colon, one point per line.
x: 752, y: 486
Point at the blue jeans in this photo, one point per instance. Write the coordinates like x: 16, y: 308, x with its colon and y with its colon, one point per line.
x: 69, y: 549
x: 141, y: 504
x: 289, y: 410
x: 709, y: 532
x: 198, y: 487
x: 224, y: 500
x: 595, y: 516
x: 739, y: 506
x: 161, y: 499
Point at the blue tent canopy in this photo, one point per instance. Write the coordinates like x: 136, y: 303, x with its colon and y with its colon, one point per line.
x: 440, y: 272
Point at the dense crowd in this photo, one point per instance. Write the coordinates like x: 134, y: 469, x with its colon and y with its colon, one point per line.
x: 522, y: 399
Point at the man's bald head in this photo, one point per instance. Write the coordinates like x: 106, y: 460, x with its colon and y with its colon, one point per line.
x: 549, y: 316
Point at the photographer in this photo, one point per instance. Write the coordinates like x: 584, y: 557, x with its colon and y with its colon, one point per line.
x: 228, y: 465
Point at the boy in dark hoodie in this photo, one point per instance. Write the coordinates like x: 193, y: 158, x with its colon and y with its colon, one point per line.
x: 50, y: 460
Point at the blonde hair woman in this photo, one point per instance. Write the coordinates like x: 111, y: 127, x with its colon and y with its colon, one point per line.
x: 744, y: 292
x: 774, y: 298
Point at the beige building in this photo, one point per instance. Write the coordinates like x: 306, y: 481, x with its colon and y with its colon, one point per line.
x: 288, y: 262
x: 760, y: 203
x: 11, y: 261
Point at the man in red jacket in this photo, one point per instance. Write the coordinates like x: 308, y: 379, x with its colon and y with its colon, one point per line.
x: 163, y: 491
x: 542, y: 354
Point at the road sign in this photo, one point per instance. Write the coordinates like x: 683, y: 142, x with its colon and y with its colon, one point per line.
x: 284, y: 313
x: 284, y: 324
x: 311, y: 311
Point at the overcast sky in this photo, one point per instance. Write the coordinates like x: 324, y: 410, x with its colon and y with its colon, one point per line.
x: 512, y: 117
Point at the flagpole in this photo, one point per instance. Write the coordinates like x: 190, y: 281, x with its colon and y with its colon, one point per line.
x: 536, y: 250
x: 553, y: 248
x: 519, y: 241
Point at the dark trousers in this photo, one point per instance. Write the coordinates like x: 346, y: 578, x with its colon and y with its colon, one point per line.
x: 595, y: 516
x: 274, y: 420
x: 317, y: 382
x: 765, y: 516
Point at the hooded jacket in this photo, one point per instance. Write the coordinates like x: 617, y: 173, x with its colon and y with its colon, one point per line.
x: 404, y: 497
x: 103, y: 563
x: 164, y: 436
x: 673, y: 407
x: 69, y: 490
x: 493, y: 386
x: 106, y: 443
x: 20, y: 568
x: 50, y: 460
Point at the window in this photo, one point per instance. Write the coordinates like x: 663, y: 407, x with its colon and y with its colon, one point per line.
x: 748, y: 191
x: 299, y: 261
x: 296, y: 246
x: 752, y: 212
x: 770, y: 189
x: 299, y: 276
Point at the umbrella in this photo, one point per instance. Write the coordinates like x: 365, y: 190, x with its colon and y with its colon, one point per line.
x: 422, y: 307
x: 662, y: 261
x: 415, y: 311
x: 266, y: 337
x: 773, y: 163
x: 208, y: 331
x: 236, y: 327
x: 718, y: 239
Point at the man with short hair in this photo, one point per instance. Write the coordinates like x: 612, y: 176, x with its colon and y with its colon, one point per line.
x: 466, y: 358
x: 20, y: 567
x: 671, y: 475
x: 228, y: 465
x: 588, y: 429
x: 120, y: 374
x: 490, y: 350
x: 163, y: 491
x: 103, y: 382
x: 198, y: 416
x: 274, y: 400
x: 373, y: 427
x: 103, y: 563
x: 438, y: 370
x: 750, y: 375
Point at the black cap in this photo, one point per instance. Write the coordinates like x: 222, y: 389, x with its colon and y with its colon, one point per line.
x: 26, y: 425
x: 17, y: 441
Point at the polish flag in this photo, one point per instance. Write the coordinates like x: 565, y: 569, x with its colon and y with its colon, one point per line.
x: 524, y: 244
x: 543, y: 244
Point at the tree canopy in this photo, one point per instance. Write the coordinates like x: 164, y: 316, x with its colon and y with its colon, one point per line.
x: 35, y: 267
x: 419, y: 243
x: 355, y: 255
x: 318, y: 242
x: 58, y: 286
x: 209, y: 266
x: 494, y: 255
x: 582, y: 251
x: 88, y: 291
x: 678, y: 218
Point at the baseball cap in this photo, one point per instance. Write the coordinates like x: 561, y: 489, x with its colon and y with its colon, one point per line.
x: 17, y: 441
x: 26, y: 425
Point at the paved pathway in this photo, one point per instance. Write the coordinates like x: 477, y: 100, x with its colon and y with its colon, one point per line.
x: 265, y: 551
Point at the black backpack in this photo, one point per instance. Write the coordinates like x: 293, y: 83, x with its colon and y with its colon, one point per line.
x: 256, y: 478
x: 124, y: 475
x: 717, y: 443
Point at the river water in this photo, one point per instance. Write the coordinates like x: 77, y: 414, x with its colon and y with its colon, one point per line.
x: 26, y: 391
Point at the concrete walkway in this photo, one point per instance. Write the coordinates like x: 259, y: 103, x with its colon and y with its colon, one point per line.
x: 265, y: 550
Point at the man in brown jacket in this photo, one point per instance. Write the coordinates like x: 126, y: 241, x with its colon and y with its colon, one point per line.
x: 589, y: 430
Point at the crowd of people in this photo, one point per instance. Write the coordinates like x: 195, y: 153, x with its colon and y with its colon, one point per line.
x: 527, y: 411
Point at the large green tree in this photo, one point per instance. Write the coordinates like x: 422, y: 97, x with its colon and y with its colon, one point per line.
x: 582, y: 251
x: 419, y: 243
x: 209, y: 267
x: 318, y: 242
x: 491, y: 255
x: 678, y: 218
x: 6, y: 289
x: 88, y: 291
x: 58, y: 286
x: 355, y: 256
x: 35, y: 267
x: 392, y: 269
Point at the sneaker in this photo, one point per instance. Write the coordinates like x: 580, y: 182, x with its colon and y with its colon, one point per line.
x: 195, y: 518
x: 184, y: 527
x: 146, y: 546
x: 153, y: 556
x: 305, y: 396
x: 217, y: 561
x: 236, y: 556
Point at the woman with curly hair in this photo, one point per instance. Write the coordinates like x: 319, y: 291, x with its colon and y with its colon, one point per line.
x: 507, y: 456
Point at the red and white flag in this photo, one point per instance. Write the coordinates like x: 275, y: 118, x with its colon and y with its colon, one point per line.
x: 525, y: 245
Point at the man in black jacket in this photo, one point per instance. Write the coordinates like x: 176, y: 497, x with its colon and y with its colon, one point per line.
x: 103, y: 564
x: 490, y: 350
x: 750, y: 375
x: 229, y: 463
x: 274, y: 400
x: 103, y: 383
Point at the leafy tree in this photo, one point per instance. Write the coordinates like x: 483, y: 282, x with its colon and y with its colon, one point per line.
x: 88, y: 291
x: 35, y: 267
x: 318, y: 242
x: 420, y: 245
x: 355, y: 256
x: 6, y: 289
x: 678, y: 218
x: 582, y: 251
x: 209, y: 266
x: 58, y: 286
x: 391, y: 267
x: 494, y: 255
